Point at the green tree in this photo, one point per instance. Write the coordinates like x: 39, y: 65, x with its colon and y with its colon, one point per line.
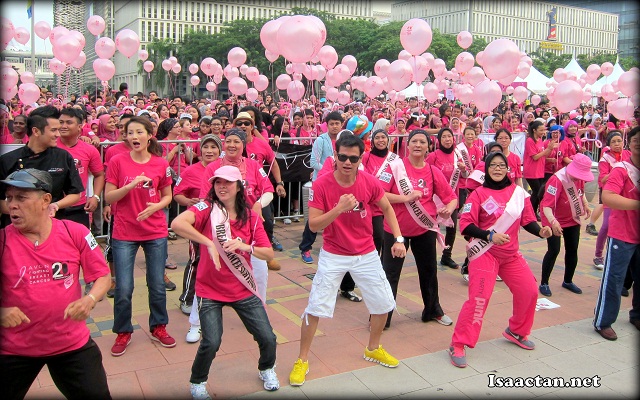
x: 159, y: 50
x: 599, y: 58
x: 547, y: 62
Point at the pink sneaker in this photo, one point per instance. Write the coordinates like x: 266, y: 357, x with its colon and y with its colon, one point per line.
x: 160, y: 335
x: 120, y: 346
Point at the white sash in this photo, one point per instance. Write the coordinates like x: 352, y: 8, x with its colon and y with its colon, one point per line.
x: 464, y: 153
x: 455, y: 176
x: 512, y: 213
x: 477, y: 176
x: 388, y: 160
x: 610, y: 159
x: 221, y: 232
x: 577, y: 208
x: 415, y: 208
x: 633, y: 172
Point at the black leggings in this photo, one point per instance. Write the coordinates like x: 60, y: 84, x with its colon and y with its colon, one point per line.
x: 571, y: 236
x: 450, y: 235
x: 378, y: 233
x: 535, y: 184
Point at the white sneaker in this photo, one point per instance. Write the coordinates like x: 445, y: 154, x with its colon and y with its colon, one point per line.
x: 287, y: 221
x: 444, y: 320
x: 270, y: 379
x: 465, y: 277
x: 199, y: 391
x: 194, y: 334
x: 296, y: 216
x: 498, y: 279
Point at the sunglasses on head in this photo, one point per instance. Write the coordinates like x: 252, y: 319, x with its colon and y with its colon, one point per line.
x: 243, y: 123
x: 352, y: 159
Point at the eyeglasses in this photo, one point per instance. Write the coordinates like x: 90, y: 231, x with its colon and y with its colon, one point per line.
x: 501, y: 166
x: 243, y: 123
x: 352, y: 159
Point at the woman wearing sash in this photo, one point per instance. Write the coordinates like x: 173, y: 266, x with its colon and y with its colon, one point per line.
x: 448, y: 159
x: 230, y: 235
x: 493, y: 216
x: 471, y: 156
x: 514, y: 171
x: 534, y: 159
x: 562, y: 206
x: 410, y: 190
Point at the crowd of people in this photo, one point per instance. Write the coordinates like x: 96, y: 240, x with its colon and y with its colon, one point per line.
x: 386, y: 177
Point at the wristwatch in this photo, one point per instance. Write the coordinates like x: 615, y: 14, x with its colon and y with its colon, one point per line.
x: 400, y: 239
x: 97, y: 197
x: 280, y: 183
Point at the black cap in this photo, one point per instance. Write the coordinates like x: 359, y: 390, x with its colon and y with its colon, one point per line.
x: 30, y: 178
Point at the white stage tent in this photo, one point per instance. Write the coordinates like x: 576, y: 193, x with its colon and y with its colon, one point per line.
x: 573, y: 66
x: 617, y: 71
x: 536, y: 81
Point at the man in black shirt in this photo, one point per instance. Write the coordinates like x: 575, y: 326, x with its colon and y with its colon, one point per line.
x: 42, y: 153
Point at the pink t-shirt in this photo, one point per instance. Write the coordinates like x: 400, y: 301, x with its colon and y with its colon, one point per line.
x: 514, y: 163
x: 533, y: 169
x: 122, y: 170
x: 620, y: 183
x: 556, y: 165
x: 256, y: 182
x: 428, y: 179
x: 179, y: 161
x: 223, y: 285
x: 260, y: 151
x: 474, y: 213
x: 444, y: 162
x: 475, y: 154
x: 189, y: 182
x: 87, y: 159
x: 556, y: 199
x: 569, y: 147
x: 350, y: 234
x: 372, y: 164
x: 604, y: 168
x: 8, y: 139
x: 114, y: 151
x: 42, y: 281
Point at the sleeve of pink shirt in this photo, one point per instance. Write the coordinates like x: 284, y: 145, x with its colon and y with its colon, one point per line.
x: 441, y: 187
x: 95, y: 162
x: 92, y: 259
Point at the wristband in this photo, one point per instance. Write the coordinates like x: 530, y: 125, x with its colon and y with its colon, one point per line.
x: 93, y: 298
x: 491, y: 236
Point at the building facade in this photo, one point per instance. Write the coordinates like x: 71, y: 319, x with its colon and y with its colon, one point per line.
x: 531, y: 25
x: 21, y: 60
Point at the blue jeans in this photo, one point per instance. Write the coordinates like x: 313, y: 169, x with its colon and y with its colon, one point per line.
x: 254, y: 317
x: 124, y: 257
x: 308, y: 238
x: 620, y: 255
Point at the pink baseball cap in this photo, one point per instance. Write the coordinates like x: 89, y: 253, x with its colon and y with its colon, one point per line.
x: 228, y: 173
x: 580, y: 168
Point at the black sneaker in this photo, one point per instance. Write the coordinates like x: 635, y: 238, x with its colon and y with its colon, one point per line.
x: 448, y: 261
x: 591, y: 230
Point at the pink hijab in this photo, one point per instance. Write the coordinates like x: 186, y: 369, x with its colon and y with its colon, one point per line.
x: 103, y: 134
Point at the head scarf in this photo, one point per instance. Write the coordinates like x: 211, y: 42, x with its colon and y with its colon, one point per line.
x: 488, y: 181
x: 381, y: 123
x: 376, y: 151
x: 165, y: 127
x: 440, y: 146
x: 102, y: 130
x: 486, y: 123
x: 566, y: 127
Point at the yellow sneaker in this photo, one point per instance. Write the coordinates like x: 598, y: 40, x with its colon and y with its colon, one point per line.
x: 299, y: 372
x: 380, y: 356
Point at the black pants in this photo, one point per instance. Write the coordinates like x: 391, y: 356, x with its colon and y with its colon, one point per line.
x: 190, y: 273
x: 75, y: 214
x: 535, y: 185
x: 424, y: 252
x: 78, y: 374
x: 267, y: 214
x: 571, y: 240
x: 462, y: 198
x: 378, y: 233
x: 450, y: 235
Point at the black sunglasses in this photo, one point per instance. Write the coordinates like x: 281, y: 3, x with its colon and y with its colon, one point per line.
x: 352, y: 159
x: 243, y: 123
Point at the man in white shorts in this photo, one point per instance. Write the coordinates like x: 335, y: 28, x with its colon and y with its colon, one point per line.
x: 340, y: 204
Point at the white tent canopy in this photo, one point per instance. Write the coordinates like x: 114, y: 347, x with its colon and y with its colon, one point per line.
x: 413, y: 90
x: 536, y: 81
x: 617, y: 71
x: 573, y: 66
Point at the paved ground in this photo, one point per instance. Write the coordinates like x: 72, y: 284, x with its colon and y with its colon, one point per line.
x: 567, y: 346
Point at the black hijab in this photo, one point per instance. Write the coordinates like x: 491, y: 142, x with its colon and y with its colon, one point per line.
x: 440, y: 146
x: 376, y: 151
x: 490, y: 183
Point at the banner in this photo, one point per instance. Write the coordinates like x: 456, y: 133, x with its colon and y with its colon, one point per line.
x: 294, y: 161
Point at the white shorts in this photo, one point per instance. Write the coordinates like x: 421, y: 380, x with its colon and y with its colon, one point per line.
x: 366, y: 271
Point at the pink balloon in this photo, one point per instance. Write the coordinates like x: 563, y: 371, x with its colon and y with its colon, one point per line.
x: 173, y: 61
x: 208, y: 66
x: 295, y: 90
x: 166, y: 65
x: 509, y: 90
x: 210, y: 86
x: 614, y: 85
x: 195, y: 80
x: 593, y: 71
x: 29, y: 93
x: 420, y: 68
x: 501, y: 58
x: 143, y: 55
x: 528, y: 60
x: 508, y: 80
x: 328, y: 57
x: 342, y: 72
x: 238, y: 86
x: 269, y: 36
x: 271, y: 56
x: 282, y: 81
x: 299, y: 40
x: 623, y: 109
x: 351, y: 63
x: 439, y: 67
x: 79, y: 37
x: 296, y: 76
x: 465, y: 94
x: 523, y: 70
x: 373, y: 86
x: 464, y: 62
x: 243, y: 69
x: 535, y: 99
x: 252, y: 74
x: 105, y: 47
x: 80, y: 61
x: 96, y: 24
x: 343, y: 97
x: 628, y: 83
x: 606, y: 68
x: 56, y: 33
x: 231, y: 72
x: 308, y: 72
x: 67, y: 49
x: 8, y: 92
x: 487, y: 95
x: 217, y: 78
x: 193, y: 69
x: 586, y: 96
x: 42, y: 29
x: 381, y: 68
x: 21, y: 35
x: 430, y: 91
x: 237, y: 56
x: 332, y: 94
x: 27, y: 77
x: 148, y: 66
x: 464, y: 39
x: 104, y: 69
x: 416, y: 36
x: 568, y: 95
x: 176, y: 68
x: 261, y: 83
x: 404, y: 55
x: 56, y: 66
x: 480, y: 58
x: 475, y: 76
x: 321, y: 27
x: 400, y: 74
x: 430, y: 59
x: 559, y: 75
x: 127, y: 42
x: 252, y: 94
x: 9, y: 77
x: 520, y: 93
x: 320, y: 73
